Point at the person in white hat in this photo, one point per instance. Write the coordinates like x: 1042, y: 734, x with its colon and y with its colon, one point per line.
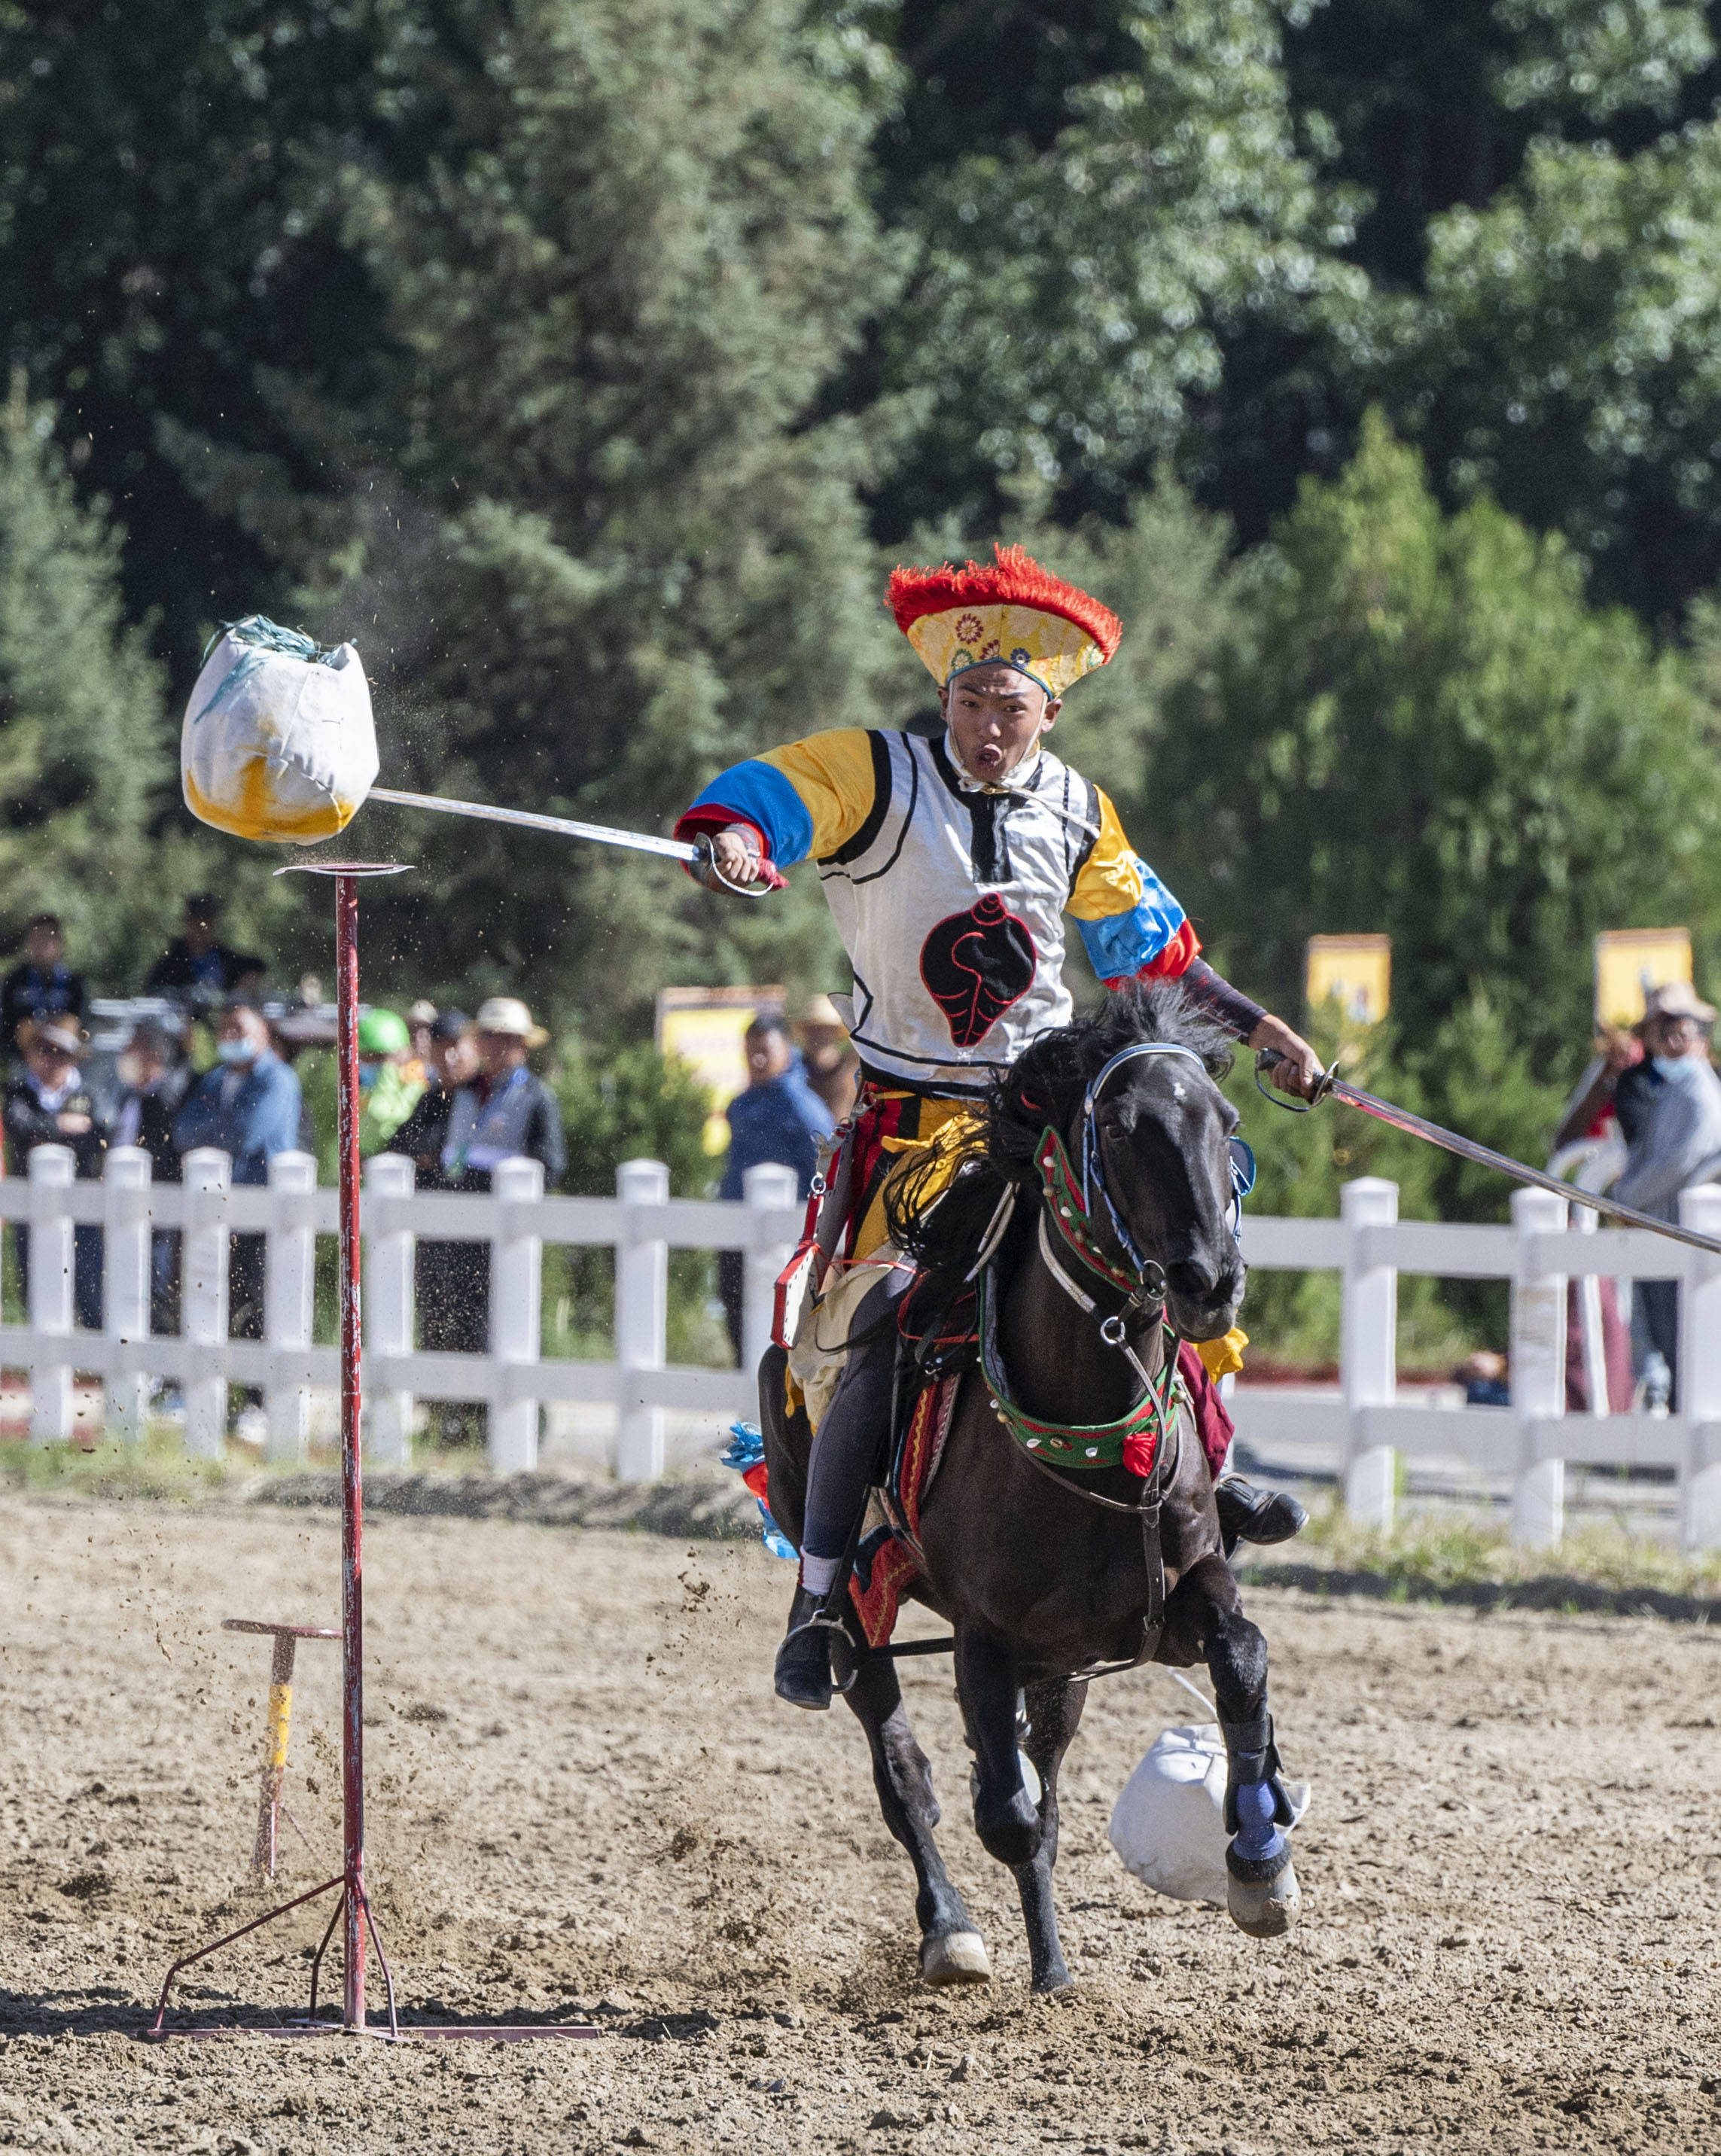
x: 1668, y: 1104
x: 506, y: 1109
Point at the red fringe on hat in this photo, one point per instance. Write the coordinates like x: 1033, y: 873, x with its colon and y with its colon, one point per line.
x: 1014, y: 579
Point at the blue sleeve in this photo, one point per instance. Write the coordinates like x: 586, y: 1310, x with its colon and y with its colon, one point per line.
x: 762, y: 795
x: 195, y: 1124
x: 276, y: 1125
x: 1119, y: 945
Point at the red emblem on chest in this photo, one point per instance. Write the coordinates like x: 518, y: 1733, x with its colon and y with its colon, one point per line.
x: 975, y: 965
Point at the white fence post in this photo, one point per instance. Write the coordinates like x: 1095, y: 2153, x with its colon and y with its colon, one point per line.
x: 1700, y: 1374
x: 516, y: 1275
x: 770, y: 1185
x: 126, y: 1285
x: 1367, y: 1350
x: 290, y: 1296
x: 642, y: 1285
x: 205, y: 1302
x: 1538, y: 1303
x: 388, y: 1310
x: 52, y: 1168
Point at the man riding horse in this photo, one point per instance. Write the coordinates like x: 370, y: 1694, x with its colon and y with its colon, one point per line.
x: 948, y: 866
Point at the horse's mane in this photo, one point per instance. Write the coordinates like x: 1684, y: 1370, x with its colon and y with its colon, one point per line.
x: 942, y: 1231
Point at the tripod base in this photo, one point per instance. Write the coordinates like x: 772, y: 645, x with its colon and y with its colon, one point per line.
x: 310, y: 2025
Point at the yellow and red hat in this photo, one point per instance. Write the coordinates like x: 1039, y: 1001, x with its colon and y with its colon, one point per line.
x: 1008, y: 613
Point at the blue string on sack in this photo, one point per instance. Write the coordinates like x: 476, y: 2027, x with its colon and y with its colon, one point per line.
x: 746, y: 1450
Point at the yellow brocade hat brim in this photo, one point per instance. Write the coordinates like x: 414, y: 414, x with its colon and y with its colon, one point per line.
x: 1010, y: 612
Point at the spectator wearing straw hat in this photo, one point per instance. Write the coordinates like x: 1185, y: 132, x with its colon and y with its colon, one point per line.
x: 44, y: 986
x: 1668, y: 1104
x: 506, y: 1110
x: 50, y: 1104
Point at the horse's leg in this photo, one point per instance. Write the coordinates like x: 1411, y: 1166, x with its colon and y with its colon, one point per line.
x: 1005, y: 1816
x: 952, y: 1950
x: 1261, y: 1890
x: 1054, y: 1711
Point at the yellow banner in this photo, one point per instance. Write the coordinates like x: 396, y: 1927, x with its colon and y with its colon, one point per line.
x: 1355, y: 969
x: 1631, y: 962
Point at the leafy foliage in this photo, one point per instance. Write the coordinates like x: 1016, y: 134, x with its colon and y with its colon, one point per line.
x: 1425, y: 731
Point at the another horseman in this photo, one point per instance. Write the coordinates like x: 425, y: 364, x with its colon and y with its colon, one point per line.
x: 948, y: 866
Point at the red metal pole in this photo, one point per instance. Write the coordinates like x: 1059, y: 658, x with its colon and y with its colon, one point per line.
x: 351, y: 1489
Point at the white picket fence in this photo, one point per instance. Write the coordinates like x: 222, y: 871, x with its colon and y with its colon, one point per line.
x: 1533, y: 1440
x: 642, y: 1222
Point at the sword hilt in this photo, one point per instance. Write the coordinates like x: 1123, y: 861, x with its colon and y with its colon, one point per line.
x: 1266, y: 1058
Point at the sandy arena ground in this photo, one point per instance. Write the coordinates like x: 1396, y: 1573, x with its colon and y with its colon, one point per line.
x: 584, y: 1797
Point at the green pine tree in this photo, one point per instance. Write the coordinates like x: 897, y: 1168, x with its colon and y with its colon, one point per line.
x: 83, y: 744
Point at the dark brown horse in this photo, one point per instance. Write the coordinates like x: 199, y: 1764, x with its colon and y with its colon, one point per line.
x: 1042, y: 1585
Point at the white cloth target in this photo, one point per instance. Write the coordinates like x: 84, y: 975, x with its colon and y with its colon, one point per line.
x: 1168, y: 1827
x: 278, y: 741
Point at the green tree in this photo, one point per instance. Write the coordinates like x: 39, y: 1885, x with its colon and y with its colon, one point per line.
x: 622, y: 547
x: 1074, y: 287
x: 1428, y: 732
x: 81, y: 720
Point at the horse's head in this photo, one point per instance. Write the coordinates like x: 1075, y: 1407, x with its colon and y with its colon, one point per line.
x: 1160, y: 1143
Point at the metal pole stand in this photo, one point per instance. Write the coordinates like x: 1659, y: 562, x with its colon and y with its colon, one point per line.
x: 353, y: 1913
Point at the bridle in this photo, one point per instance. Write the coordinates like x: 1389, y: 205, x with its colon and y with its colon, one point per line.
x: 1066, y: 1211
x: 1093, y: 1177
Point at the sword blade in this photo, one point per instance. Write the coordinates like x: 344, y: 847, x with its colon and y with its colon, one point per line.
x: 562, y: 827
x: 1418, y: 1127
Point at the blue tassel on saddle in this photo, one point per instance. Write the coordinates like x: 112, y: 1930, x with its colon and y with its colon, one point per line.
x: 746, y: 1454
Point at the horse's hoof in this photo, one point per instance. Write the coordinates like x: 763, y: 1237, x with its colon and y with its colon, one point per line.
x: 955, y: 1957
x: 1262, y: 1894
x: 1052, y: 1982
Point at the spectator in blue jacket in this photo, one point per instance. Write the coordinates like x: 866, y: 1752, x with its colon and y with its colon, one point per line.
x: 777, y: 1118
x: 249, y: 1107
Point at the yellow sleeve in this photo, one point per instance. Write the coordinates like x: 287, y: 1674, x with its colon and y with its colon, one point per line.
x: 833, y: 773
x: 1110, y: 880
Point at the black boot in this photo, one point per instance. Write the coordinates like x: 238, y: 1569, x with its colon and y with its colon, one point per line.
x: 1249, y: 1514
x: 804, y: 1660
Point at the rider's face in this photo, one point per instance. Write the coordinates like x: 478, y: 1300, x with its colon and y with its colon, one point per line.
x: 996, y: 716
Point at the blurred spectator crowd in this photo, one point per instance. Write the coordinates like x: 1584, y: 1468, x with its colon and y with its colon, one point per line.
x: 203, y: 1058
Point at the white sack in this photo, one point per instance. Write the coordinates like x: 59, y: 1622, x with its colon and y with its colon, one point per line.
x: 1168, y: 1824
x: 278, y: 741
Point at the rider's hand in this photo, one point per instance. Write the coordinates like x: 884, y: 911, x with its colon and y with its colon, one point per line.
x: 74, y: 1125
x: 736, y: 854
x: 1297, y: 1069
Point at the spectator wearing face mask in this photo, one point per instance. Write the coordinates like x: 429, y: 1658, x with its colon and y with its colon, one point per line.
x: 43, y: 985
x: 51, y: 1104
x: 155, y: 1081
x: 248, y: 1106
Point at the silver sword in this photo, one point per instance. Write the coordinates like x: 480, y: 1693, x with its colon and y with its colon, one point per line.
x: 566, y: 827
x: 1418, y: 1127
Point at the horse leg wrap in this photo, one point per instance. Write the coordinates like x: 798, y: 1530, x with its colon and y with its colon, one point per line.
x: 1255, y: 1804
